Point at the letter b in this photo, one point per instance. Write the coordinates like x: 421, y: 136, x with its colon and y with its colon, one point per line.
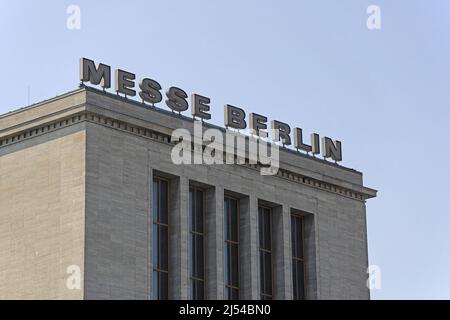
x: 234, y: 117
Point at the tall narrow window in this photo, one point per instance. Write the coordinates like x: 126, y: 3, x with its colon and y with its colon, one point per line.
x: 265, y: 252
x: 160, y: 241
x: 231, y: 249
x: 298, y: 262
x: 196, y: 244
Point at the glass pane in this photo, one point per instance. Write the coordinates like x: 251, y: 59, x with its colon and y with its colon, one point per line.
x: 260, y: 227
x: 226, y: 264
x: 155, y: 246
x: 199, y: 211
x: 299, y: 280
x: 197, y: 256
x: 163, y: 248
x: 192, y: 290
x: 233, y: 222
x: 268, y: 273
x: 197, y: 290
x: 299, y: 238
x: 234, y: 265
x: 234, y: 294
x: 234, y: 205
x: 293, y: 242
x: 155, y: 282
x: 192, y: 255
x: 226, y: 218
x: 227, y: 293
x: 200, y: 290
x: 265, y: 239
x: 200, y: 257
x: 163, y: 214
x: 267, y: 230
x: 155, y: 200
x: 191, y: 209
x: 294, y: 279
x: 163, y: 286
x: 262, y: 274
x: 231, y: 250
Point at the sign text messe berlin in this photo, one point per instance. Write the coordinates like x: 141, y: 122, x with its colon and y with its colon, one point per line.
x: 150, y: 92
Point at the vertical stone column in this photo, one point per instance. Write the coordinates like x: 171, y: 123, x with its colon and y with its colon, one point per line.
x: 281, y: 253
x: 249, y: 248
x: 178, y: 238
x: 214, y: 242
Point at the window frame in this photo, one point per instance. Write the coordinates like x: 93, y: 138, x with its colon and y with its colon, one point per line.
x: 296, y: 259
x: 228, y: 242
x: 191, y: 277
x: 260, y: 250
x: 155, y: 268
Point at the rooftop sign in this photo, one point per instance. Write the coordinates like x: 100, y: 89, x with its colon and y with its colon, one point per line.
x: 234, y: 117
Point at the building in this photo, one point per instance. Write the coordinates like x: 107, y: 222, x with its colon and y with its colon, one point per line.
x: 86, y: 182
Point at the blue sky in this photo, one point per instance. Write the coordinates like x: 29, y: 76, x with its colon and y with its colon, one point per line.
x: 314, y: 64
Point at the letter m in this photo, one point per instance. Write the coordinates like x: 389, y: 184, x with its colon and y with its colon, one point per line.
x: 95, y: 74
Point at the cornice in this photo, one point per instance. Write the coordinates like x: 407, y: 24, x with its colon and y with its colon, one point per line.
x: 358, y: 193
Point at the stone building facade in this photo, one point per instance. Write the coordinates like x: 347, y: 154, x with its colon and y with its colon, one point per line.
x: 77, y: 180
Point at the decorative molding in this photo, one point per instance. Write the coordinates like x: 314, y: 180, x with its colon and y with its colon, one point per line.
x: 164, y: 138
x: 314, y: 183
x: 41, y: 130
x: 81, y: 117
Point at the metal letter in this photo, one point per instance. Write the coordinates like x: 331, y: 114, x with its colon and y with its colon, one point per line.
x: 200, y: 106
x: 315, y: 143
x: 100, y: 74
x: 331, y: 149
x: 257, y: 123
x: 150, y: 91
x: 234, y: 117
x: 125, y: 82
x: 176, y: 99
x: 298, y: 141
x: 281, y: 132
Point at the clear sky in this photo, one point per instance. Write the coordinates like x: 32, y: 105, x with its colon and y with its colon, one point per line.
x: 314, y: 64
